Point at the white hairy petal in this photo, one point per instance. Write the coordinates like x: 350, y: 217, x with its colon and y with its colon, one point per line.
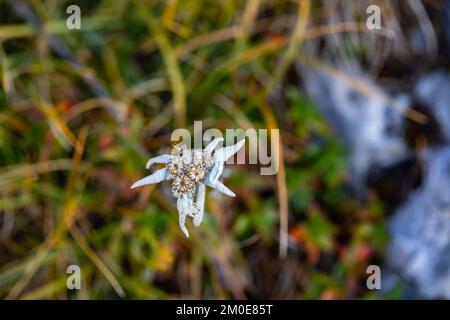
x: 155, y: 177
x: 219, y: 186
x: 165, y: 158
x: 224, y: 189
x: 200, y: 203
x: 223, y: 154
x: 212, y: 145
x: 183, y: 210
x: 212, y: 180
x: 215, y: 172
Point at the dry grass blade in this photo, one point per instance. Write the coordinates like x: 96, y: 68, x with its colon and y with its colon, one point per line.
x: 35, y: 169
x: 275, y: 44
x: 250, y: 13
x: 297, y: 37
x: 13, y: 121
x: 70, y: 209
x: 8, y: 32
x: 6, y: 74
x: 30, y: 270
x: 97, y: 261
x: 59, y: 128
x: 206, y: 39
x: 115, y: 107
x: 281, y: 180
x: 363, y: 87
x: 46, y: 290
x: 294, y: 45
x: 172, y: 67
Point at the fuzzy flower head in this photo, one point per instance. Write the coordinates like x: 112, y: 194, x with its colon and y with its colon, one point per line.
x: 187, y: 168
x: 190, y: 171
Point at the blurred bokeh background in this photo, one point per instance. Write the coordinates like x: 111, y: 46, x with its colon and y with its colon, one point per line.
x: 364, y: 160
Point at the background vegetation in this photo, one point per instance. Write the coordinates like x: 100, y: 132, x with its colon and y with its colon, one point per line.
x: 82, y: 111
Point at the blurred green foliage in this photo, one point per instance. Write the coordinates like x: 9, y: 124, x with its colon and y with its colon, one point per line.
x: 68, y: 157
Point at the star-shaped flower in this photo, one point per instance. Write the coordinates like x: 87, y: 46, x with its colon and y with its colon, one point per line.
x: 190, y: 171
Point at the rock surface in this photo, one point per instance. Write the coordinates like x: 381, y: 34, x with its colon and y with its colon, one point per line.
x: 366, y: 124
x: 419, y: 251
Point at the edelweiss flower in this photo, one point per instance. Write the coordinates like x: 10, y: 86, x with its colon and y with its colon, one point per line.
x: 190, y: 171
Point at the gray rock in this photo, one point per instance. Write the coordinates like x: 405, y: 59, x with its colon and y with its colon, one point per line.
x: 419, y: 250
x: 365, y: 123
x: 434, y: 91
